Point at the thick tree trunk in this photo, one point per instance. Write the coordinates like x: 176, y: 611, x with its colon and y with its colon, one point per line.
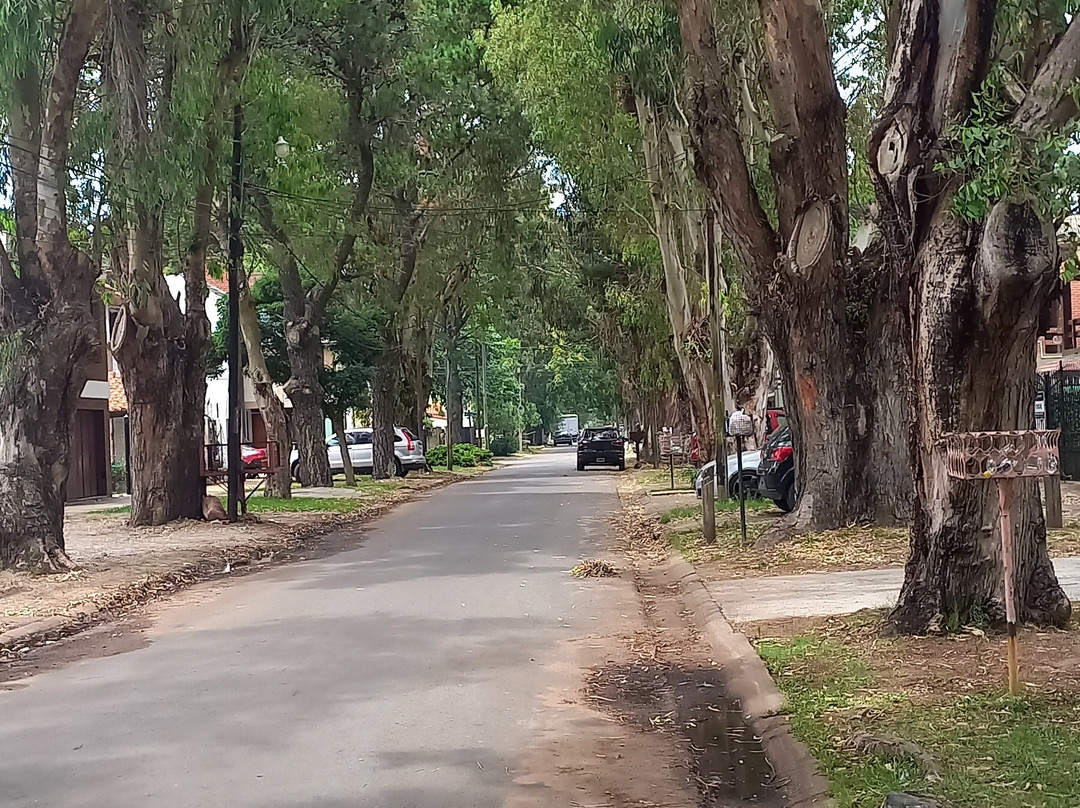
x: 337, y: 422
x: 305, y: 352
x: 383, y: 394
x: 165, y: 386
x: 979, y: 294
x: 815, y: 296
x: 38, y: 400
x: 48, y: 328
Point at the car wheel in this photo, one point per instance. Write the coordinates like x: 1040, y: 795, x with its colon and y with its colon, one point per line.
x: 787, y: 504
x: 734, y: 486
x: 622, y: 464
x: 580, y: 466
x: 399, y: 469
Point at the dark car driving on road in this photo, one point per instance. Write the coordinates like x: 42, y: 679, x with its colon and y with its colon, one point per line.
x: 776, y: 472
x: 602, y: 446
x: 563, y: 439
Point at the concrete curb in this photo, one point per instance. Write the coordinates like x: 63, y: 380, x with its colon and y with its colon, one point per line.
x: 58, y: 626
x: 748, y: 680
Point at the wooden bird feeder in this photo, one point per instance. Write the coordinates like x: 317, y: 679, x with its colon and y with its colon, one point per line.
x: 1004, y: 456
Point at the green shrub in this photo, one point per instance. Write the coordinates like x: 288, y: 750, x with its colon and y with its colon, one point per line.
x: 119, y: 477
x: 505, y: 446
x: 465, y: 455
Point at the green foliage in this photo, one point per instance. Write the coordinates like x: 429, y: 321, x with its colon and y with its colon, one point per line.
x: 118, y: 477
x: 989, y: 748
x: 995, y: 160
x: 505, y: 445
x: 465, y: 455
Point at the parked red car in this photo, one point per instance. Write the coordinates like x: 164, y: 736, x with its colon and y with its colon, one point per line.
x: 253, y: 458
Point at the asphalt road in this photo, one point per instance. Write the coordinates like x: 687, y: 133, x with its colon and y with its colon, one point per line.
x: 407, y: 672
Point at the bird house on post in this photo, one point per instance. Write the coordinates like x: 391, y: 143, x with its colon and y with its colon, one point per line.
x: 1004, y: 456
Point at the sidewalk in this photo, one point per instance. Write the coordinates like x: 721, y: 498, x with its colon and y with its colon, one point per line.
x: 832, y: 593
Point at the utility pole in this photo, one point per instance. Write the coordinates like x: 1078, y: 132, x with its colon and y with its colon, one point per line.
x: 483, y: 387
x: 449, y: 408
x: 476, y: 397
x: 715, y: 315
x: 236, y: 255
x: 521, y: 373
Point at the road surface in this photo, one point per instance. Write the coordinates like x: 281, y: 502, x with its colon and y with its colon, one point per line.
x: 434, y: 665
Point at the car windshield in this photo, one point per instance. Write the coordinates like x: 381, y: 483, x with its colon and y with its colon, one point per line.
x: 601, y: 434
x: 778, y: 438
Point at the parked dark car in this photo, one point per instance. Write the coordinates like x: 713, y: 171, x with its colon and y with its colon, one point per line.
x: 776, y: 472
x: 563, y: 439
x: 601, y: 447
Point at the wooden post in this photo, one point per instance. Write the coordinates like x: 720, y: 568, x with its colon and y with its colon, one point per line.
x: 708, y: 506
x: 1005, y: 491
x: 1052, y: 489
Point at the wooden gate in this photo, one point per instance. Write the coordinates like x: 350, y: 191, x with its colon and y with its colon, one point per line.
x: 89, y: 474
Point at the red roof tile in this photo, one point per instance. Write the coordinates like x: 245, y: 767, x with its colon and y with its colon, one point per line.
x: 222, y: 284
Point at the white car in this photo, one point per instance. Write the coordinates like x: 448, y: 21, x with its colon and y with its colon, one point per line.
x: 750, y: 461
x: 408, y: 453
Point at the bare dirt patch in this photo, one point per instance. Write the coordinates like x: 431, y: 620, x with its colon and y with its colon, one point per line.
x: 939, y: 668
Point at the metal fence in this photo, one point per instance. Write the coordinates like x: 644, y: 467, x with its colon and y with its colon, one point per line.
x: 1060, y: 401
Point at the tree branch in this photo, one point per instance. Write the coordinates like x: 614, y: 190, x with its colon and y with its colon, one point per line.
x: 720, y: 161
x: 1049, y: 103
x: 292, y: 287
x: 321, y: 298
x: 809, y: 152
x: 83, y: 21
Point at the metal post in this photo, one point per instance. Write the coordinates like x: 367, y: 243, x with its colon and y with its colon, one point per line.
x: 449, y: 407
x: 720, y: 453
x: 236, y: 255
x: 476, y: 403
x: 127, y: 452
x: 708, y: 506
x: 742, y: 487
x: 483, y: 385
x: 671, y: 459
x: 1005, y: 491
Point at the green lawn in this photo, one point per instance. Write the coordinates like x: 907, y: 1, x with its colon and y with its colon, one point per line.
x: 261, y: 504
x: 990, y: 750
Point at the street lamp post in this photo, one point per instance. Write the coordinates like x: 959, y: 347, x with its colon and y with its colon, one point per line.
x: 236, y: 255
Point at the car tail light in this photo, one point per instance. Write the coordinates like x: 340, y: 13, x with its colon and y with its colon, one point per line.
x: 619, y: 442
x: 408, y: 440
x: 782, y: 453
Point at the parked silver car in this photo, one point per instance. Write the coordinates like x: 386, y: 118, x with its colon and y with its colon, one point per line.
x: 408, y: 453
x: 749, y: 481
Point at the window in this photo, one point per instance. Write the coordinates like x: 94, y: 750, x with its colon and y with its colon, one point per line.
x: 363, y: 438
